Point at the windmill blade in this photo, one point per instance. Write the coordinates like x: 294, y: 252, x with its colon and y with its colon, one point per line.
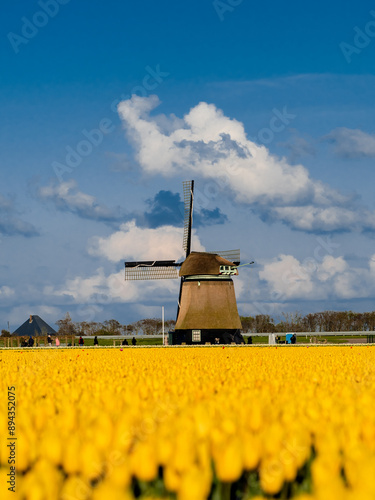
x: 151, y: 270
x: 232, y: 255
x: 188, y: 214
x: 150, y: 273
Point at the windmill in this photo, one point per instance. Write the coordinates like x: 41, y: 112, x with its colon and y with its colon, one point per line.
x: 207, y: 308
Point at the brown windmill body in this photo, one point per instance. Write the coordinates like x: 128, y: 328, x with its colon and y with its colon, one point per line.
x: 207, y: 309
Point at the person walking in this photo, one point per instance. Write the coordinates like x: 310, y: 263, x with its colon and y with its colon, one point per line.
x: 49, y: 340
x: 30, y: 342
x: 96, y: 342
x: 81, y: 341
x: 134, y: 342
x: 57, y: 342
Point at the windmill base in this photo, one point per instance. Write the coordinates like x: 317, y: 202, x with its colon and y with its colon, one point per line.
x: 202, y: 337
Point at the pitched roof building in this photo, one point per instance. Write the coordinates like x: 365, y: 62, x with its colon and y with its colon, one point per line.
x: 34, y: 326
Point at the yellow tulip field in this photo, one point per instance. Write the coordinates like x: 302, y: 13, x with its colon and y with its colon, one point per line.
x: 218, y: 423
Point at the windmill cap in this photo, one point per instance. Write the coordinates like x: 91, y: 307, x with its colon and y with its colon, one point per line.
x: 198, y: 263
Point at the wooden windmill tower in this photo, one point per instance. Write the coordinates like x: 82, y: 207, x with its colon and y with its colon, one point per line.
x: 207, y: 308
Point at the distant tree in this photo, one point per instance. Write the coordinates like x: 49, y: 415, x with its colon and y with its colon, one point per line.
x: 93, y: 328
x: 309, y: 323
x: 264, y: 324
x: 82, y: 328
x: 169, y: 324
x: 281, y: 327
x: 149, y: 326
x: 293, y: 322
x: 113, y: 327
x: 66, y: 326
x: 247, y: 323
x: 127, y: 329
x: 369, y: 321
x: 5, y: 333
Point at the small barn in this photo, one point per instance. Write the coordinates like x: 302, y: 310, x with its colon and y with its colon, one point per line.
x: 34, y: 326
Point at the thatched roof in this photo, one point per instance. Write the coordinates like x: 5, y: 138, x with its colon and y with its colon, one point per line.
x: 198, y: 263
x: 34, y: 326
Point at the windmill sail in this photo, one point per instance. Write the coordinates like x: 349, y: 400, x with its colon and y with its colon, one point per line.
x: 188, y: 214
x: 151, y: 270
x: 232, y: 255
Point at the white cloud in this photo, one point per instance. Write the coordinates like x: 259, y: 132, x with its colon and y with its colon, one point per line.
x: 129, y: 243
x: 352, y: 143
x: 331, y: 266
x: 312, y: 218
x: 135, y: 243
x: 287, y: 278
x: 210, y: 145
x: 66, y: 197
x: 99, y: 290
x: 20, y: 313
x: 6, y: 291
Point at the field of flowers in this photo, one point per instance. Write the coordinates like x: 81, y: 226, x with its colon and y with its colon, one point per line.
x: 190, y: 423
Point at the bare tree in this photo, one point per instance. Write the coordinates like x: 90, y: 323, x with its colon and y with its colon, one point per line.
x: 66, y: 326
x: 112, y: 327
x: 264, y: 324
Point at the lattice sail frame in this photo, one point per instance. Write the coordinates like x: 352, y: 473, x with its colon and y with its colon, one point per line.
x: 232, y: 255
x: 188, y: 187
x: 146, y: 272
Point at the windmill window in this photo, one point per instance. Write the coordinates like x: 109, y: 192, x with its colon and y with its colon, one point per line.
x: 196, y: 335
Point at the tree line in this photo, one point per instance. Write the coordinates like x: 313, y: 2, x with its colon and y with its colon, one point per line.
x: 325, y: 321
x: 151, y: 326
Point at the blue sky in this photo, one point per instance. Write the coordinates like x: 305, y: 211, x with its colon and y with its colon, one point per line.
x: 269, y: 107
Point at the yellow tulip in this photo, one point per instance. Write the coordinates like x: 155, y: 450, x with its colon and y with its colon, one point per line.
x: 228, y: 461
x: 179, y: 409
x: 108, y: 491
x: 143, y: 461
x: 271, y: 475
x: 172, y: 479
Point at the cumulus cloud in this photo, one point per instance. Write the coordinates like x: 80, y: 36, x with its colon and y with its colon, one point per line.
x: 311, y: 218
x: 11, y: 224
x: 135, y: 243
x: 99, y: 290
x: 20, y: 313
x: 352, y: 143
x: 274, y: 283
x: 208, y: 144
x: 129, y: 243
x: 287, y: 278
x: 67, y: 198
